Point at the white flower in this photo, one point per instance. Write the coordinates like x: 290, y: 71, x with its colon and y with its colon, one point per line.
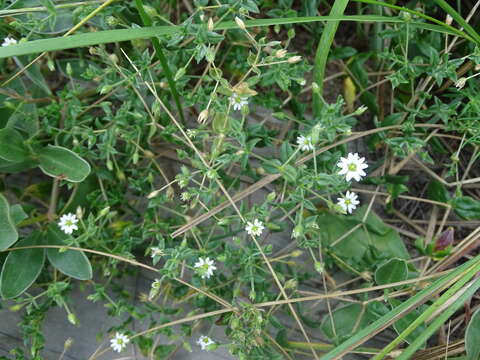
x: 9, y: 41
x: 254, y: 228
x: 238, y: 102
x: 156, y: 251
x: 305, y: 143
x: 205, y: 267
x: 349, y: 202
x: 205, y: 342
x: 352, y: 167
x: 68, y: 223
x: 119, y: 342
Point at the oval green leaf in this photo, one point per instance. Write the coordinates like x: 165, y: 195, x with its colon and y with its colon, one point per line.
x: 8, y: 231
x: 392, y: 271
x: 59, y: 162
x: 12, y: 146
x: 70, y: 262
x: 21, y: 269
x: 472, y: 337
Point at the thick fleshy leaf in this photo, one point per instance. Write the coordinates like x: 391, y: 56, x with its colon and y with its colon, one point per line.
x: 12, y: 146
x: 70, y: 262
x: 472, y: 337
x: 59, y: 162
x: 8, y: 231
x: 21, y: 269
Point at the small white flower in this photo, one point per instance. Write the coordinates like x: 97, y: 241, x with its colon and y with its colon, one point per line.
x: 255, y: 228
x: 352, y: 167
x: 9, y: 41
x: 205, y: 267
x: 119, y: 342
x: 349, y: 202
x: 205, y: 342
x: 305, y: 143
x: 238, y: 102
x: 68, y: 223
x: 156, y: 251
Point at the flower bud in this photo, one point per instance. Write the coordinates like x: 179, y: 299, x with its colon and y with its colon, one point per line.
x: 210, y: 24
x: 240, y: 23
x: 203, y: 116
x: 280, y: 53
x: 294, y: 59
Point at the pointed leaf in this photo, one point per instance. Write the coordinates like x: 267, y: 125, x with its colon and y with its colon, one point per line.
x: 70, y: 262
x: 57, y: 161
x: 21, y: 269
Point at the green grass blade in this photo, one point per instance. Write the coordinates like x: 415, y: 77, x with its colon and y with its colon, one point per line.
x: 400, y: 310
x: 323, y: 49
x: 428, y: 312
x: 163, y: 60
x: 419, y: 14
x: 439, y: 321
x: 110, y: 36
x: 459, y: 19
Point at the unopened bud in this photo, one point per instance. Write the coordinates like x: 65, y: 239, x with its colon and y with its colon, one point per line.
x: 296, y: 253
x: 210, y: 24
x: 240, y: 23
x: 448, y: 19
x: 460, y: 83
x: 294, y: 59
x: 79, y: 212
x: 72, y: 319
x: 280, y: 53
x: 477, y: 67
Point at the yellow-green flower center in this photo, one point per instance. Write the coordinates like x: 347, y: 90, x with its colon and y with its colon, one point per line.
x: 347, y: 202
x: 120, y: 341
x: 69, y: 222
x: 352, y: 167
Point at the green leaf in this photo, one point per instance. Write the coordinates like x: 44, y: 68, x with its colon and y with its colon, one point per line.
x: 17, y: 213
x: 111, y: 36
x: 466, y: 207
x: 70, y: 262
x: 472, y: 337
x: 404, y: 322
x: 393, y: 270
x: 8, y: 231
x: 323, y: 49
x: 12, y: 146
x: 346, y: 320
x: 437, y: 191
x: 21, y: 269
x: 57, y: 161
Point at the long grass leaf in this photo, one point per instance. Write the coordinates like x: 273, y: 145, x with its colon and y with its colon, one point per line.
x: 323, y: 50
x: 404, y: 308
x: 163, y: 60
x: 110, y: 36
